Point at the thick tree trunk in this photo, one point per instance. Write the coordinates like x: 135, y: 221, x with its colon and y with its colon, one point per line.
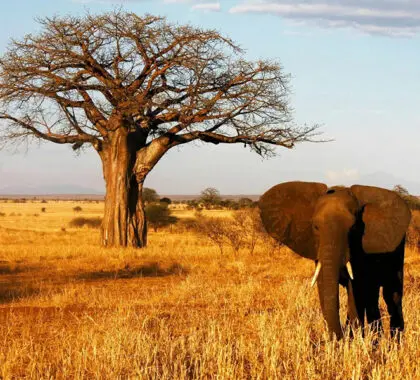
x: 124, y: 222
x: 127, y: 160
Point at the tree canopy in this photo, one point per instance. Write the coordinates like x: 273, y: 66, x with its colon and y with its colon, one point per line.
x: 150, y: 195
x: 65, y: 83
x: 210, y: 197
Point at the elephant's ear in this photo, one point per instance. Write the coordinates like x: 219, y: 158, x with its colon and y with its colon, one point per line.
x: 386, y: 217
x: 286, y: 213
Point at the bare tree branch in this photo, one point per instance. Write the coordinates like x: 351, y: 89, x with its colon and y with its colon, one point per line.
x: 120, y: 70
x: 27, y: 129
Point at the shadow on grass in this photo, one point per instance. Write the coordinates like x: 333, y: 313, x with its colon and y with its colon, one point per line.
x: 17, y: 267
x: 12, y: 290
x: 15, y: 284
x: 149, y: 270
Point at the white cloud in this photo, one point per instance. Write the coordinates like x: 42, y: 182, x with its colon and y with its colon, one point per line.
x: 338, y: 177
x: 386, y: 17
x: 208, y: 7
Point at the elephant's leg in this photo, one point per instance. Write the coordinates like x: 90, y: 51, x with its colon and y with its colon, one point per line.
x: 393, y: 293
x: 355, y: 306
x: 393, y: 288
x: 372, y: 306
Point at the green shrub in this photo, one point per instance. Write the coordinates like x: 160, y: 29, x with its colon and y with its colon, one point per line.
x: 88, y: 222
x: 159, y: 215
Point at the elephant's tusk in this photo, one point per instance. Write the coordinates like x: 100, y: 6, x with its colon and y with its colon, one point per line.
x: 350, y: 270
x: 317, y: 270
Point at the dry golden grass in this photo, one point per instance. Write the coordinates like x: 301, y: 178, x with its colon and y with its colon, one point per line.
x: 176, y: 310
x: 184, y: 213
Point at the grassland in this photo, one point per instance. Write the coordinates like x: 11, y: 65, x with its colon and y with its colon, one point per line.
x: 176, y: 310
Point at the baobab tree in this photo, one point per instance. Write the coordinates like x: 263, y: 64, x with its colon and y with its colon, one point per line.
x: 133, y: 87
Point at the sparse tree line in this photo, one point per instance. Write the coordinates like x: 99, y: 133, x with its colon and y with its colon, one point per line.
x: 210, y: 199
x: 242, y: 231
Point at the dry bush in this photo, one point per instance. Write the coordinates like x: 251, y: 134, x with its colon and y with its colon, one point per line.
x: 2, y: 214
x: 243, y: 230
x: 186, y: 225
x: 413, y: 234
x: 77, y: 209
x: 248, y: 224
x: 212, y: 228
x: 88, y: 222
x: 158, y: 215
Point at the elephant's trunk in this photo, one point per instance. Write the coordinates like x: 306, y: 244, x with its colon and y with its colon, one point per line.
x: 328, y: 292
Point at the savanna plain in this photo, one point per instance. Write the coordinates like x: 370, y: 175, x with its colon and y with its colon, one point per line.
x: 179, y: 309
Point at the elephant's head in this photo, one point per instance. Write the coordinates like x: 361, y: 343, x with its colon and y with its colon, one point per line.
x: 329, y: 226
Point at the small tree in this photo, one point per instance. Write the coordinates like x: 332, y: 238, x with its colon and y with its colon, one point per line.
x: 412, y: 202
x: 401, y: 190
x: 159, y: 215
x: 213, y: 229
x: 243, y: 230
x: 245, y: 203
x: 133, y: 88
x: 210, y: 197
x: 249, y: 226
x: 150, y: 195
x: 165, y: 200
x: 192, y: 204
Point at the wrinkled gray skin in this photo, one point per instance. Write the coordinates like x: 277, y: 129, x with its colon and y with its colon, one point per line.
x: 363, y: 225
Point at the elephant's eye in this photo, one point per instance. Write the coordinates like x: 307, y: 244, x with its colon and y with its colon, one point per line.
x: 316, y: 228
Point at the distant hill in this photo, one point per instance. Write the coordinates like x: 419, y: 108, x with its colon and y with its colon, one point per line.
x: 48, y: 190
x: 70, y: 191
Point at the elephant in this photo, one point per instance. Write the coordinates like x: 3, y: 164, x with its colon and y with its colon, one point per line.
x: 356, y: 237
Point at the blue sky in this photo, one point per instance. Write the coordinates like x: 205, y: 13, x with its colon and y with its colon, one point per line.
x: 355, y: 69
